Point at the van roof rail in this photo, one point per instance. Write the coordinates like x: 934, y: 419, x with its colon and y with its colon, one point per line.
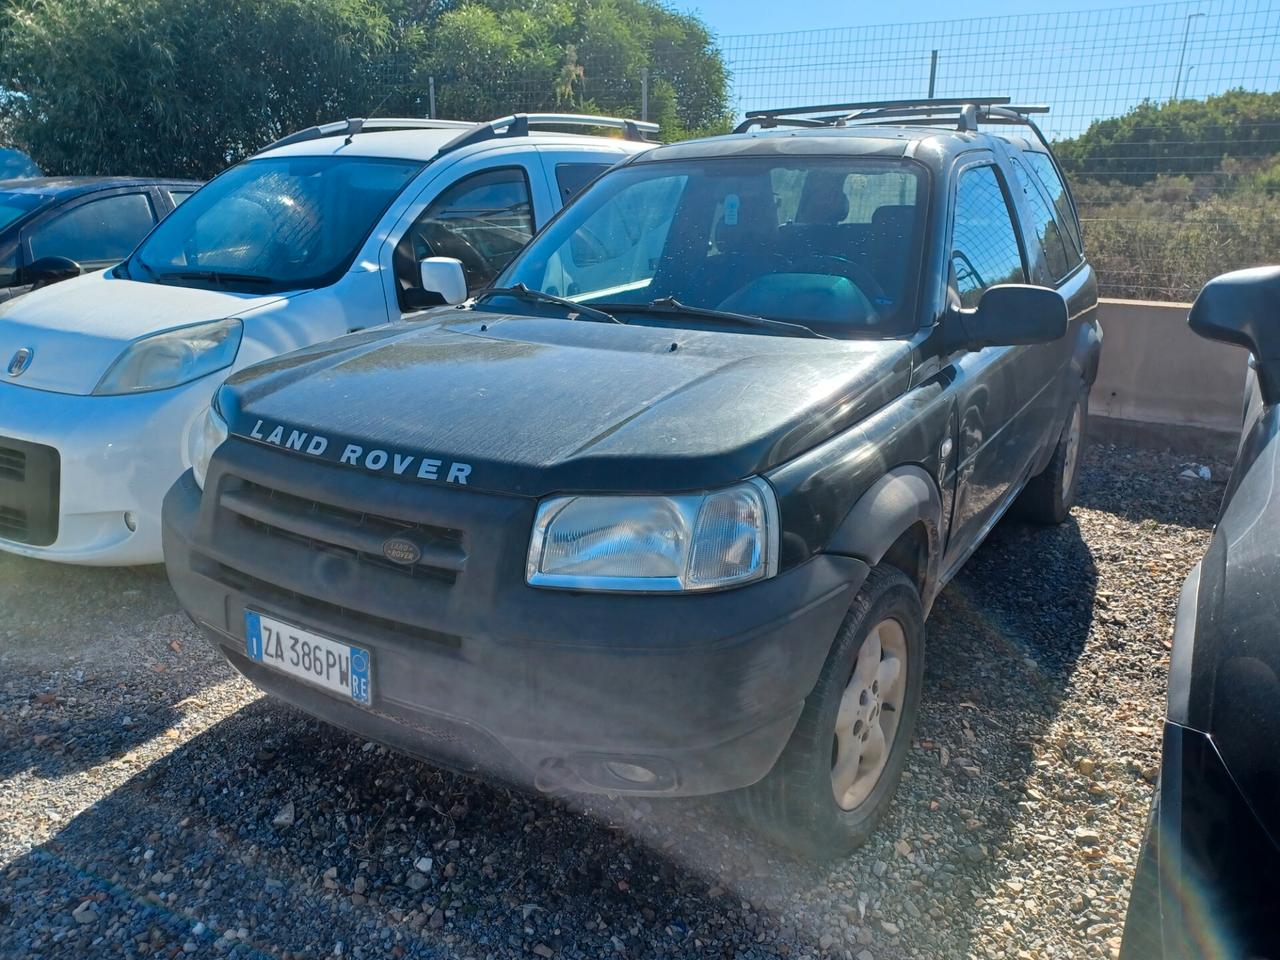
x: 353, y: 125
x: 518, y: 124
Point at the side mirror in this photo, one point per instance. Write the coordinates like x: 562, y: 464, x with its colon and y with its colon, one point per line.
x: 47, y: 270
x: 443, y: 277
x: 1243, y: 307
x: 1012, y: 313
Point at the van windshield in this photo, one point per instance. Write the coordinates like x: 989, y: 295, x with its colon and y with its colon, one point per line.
x: 275, y: 224
x: 828, y: 242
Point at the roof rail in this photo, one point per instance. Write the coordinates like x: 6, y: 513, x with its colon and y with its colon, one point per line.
x: 965, y: 113
x: 517, y: 125
x: 353, y: 125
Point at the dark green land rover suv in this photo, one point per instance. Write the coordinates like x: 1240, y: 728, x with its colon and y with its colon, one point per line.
x: 665, y: 509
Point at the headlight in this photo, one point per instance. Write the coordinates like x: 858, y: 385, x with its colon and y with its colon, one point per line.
x: 206, y: 436
x: 173, y: 358
x: 658, y: 544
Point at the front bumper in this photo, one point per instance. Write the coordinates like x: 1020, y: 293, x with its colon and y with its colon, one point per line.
x: 492, y: 677
x: 114, y: 455
x: 1218, y: 869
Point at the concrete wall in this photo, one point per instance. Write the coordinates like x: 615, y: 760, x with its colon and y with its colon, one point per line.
x: 1156, y: 373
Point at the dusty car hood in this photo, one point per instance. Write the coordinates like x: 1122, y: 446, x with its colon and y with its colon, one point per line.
x: 536, y: 405
x: 76, y: 329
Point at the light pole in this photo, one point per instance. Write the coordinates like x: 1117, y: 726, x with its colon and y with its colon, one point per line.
x: 1186, y: 81
x: 1186, y: 32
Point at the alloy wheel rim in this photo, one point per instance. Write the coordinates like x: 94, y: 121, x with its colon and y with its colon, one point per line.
x: 1072, y: 458
x: 869, y: 715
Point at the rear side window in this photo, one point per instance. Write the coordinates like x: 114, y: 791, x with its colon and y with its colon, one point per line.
x: 572, y: 177
x: 98, y: 232
x: 177, y: 196
x: 984, y: 246
x: 482, y: 220
x: 1045, y: 171
x: 1045, y: 227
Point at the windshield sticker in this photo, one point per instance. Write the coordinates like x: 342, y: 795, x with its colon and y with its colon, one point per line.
x: 731, y: 210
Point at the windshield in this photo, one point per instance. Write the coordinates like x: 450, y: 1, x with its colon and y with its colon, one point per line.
x: 280, y: 223
x: 14, y: 206
x: 828, y: 242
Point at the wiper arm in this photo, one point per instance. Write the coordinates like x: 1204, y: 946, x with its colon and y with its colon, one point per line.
x: 672, y: 305
x: 521, y: 292
x: 217, y: 276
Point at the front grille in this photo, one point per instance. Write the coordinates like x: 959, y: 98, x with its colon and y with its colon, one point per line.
x: 354, y: 622
x: 29, y: 484
x: 353, y: 534
x: 13, y: 464
x: 13, y: 524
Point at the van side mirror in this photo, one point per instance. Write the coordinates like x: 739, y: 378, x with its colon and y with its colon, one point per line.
x: 47, y: 270
x: 443, y: 277
x: 1243, y: 307
x: 1009, y: 314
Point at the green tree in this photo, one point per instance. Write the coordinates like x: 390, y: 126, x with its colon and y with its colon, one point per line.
x: 1186, y: 137
x: 167, y: 87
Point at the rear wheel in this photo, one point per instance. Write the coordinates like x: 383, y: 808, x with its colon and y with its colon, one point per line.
x: 1049, y: 496
x: 837, y: 775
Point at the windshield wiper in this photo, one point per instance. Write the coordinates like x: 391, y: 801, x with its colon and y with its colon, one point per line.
x: 670, y: 305
x: 521, y: 292
x: 217, y: 276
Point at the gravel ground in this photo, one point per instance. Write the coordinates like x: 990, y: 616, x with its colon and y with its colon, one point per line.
x: 151, y: 804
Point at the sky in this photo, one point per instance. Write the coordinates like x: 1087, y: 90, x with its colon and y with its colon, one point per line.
x: 728, y: 17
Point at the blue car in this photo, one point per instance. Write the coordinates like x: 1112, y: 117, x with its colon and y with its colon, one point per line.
x: 52, y: 228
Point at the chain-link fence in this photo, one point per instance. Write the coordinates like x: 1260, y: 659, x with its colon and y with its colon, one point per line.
x: 1186, y: 186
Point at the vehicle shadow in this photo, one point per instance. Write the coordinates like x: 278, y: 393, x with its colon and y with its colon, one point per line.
x: 106, y: 656
x: 1191, y: 504
x: 204, y: 835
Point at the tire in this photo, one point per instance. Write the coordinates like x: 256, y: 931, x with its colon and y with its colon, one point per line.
x: 1049, y: 496
x: 795, y: 804
x: 1143, y: 938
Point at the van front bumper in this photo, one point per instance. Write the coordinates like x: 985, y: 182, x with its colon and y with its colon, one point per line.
x: 560, y: 690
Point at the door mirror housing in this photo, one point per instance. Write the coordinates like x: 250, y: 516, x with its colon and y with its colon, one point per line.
x: 1243, y: 307
x: 1010, y: 314
x: 47, y: 270
x: 443, y: 277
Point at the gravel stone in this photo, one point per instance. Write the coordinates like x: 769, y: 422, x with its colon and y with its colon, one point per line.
x: 1049, y: 652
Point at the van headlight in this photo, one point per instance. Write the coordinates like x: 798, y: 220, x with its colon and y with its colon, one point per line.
x: 206, y: 436
x: 172, y: 358
x: 667, y: 544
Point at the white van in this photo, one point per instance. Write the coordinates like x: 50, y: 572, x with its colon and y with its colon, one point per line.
x: 328, y: 231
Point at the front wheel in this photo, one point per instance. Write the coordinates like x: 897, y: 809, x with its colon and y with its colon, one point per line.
x: 838, y: 773
x: 1049, y: 496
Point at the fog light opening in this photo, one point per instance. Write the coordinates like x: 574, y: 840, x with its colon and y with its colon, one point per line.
x: 131, y: 520
x: 631, y: 772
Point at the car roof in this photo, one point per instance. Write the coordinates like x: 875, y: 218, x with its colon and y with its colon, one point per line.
x: 75, y: 186
x: 425, y: 144
x: 888, y: 140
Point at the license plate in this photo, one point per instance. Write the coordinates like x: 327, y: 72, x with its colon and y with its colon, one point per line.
x: 331, y: 664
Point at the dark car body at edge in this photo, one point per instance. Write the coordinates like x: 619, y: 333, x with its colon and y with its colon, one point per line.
x: 871, y: 446
x: 1208, y: 880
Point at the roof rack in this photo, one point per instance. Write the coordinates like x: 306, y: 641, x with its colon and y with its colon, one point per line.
x: 964, y: 112
x: 354, y: 125
x: 517, y: 125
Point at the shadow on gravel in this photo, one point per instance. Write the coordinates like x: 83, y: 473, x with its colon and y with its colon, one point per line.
x: 93, y: 662
x: 1192, y: 503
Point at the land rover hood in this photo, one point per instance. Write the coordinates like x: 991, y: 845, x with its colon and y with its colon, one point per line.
x: 535, y: 405
x: 76, y: 329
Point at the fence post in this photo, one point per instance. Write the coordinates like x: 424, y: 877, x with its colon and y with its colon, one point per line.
x: 933, y: 72
x: 431, y: 98
x: 644, y: 93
